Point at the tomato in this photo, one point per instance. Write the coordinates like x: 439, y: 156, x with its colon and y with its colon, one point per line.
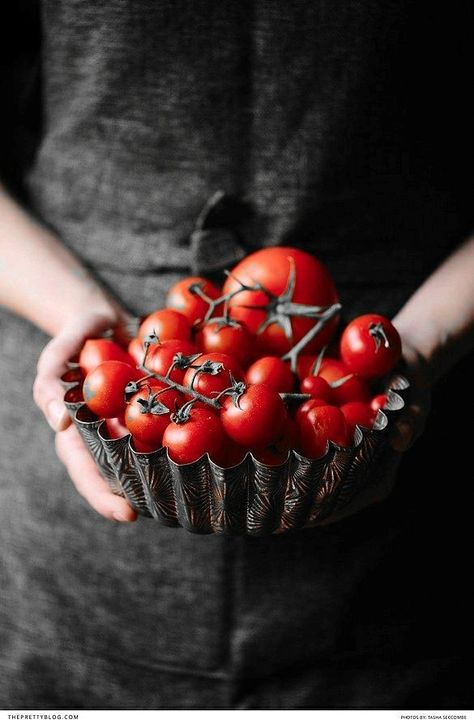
x: 142, y: 447
x: 166, y: 324
x: 160, y: 357
x: 115, y: 427
x: 317, y: 387
x: 333, y: 371
x: 104, y: 388
x: 234, y: 454
x: 256, y: 419
x: 308, y: 405
x: 272, y: 268
x: 370, y: 346
x: 218, y: 378
x: 277, y: 452
x: 148, y: 412
x: 318, y: 426
x: 378, y: 402
x: 96, y: 351
x: 271, y: 371
x: 202, y: 432
x: 182, y: 298
x: 358, y: 413
x: 136, y: 350
x: 233, y: 339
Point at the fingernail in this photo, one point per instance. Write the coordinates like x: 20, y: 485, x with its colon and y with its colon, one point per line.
x: 121, y: 517
x: 54, y: 414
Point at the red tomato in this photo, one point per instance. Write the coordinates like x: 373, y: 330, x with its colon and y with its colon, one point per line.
x: 143, y: 447
x: 145, y: 417
x: 370, y: 346
x: 358, y: 413
x: 277, y: 453
x: 333, y: 370
x: 166, y: 324
x: 135, y: 350
x: 202, y: 432
x: 182, y: 298
x: 104, y: 388
x: 214, y: 381
x: 318, y: 388
x: 308, y: 405
x: 160, y: 357
x: 271, y: 268
x: 318, y: 426
x: 96, y: 351
x: 234, y: 454
x: 116, y: 427
x: 378, y: 402
x: 233, y: 339
x: 271, y: 371
x: 256, y: 419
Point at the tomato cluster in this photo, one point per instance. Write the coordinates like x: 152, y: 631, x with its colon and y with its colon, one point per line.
x: 244, y: 368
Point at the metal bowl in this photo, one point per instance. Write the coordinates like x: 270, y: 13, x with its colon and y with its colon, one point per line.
x: 250, y: 498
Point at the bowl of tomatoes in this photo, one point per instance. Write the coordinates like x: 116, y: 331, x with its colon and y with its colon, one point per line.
x: 238, y: 410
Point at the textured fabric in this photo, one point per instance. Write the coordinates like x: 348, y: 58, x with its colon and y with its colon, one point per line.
x: 299, y: 109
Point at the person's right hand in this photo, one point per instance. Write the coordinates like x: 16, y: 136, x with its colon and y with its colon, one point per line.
x: 48, y: 395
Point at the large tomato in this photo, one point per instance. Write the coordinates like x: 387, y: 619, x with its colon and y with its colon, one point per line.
x: 148, y: 412
x: 104, y: 388
x: 256, y: 419
x: 96, y: 351
x: 272, y: 268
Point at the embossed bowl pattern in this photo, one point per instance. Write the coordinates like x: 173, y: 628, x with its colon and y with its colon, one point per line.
x: 250, y: 498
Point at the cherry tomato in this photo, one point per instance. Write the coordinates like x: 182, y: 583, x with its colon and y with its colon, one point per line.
x: 233, y: 339
x: 317, y: 387
x: 135, y: 350
x: 142, y: 447
x: 166, y: 324
x: 318, y: 426
x: 160, y: 357
x: 370, y: 346
x: 146, y: 415
x: 378, y: 402
x: 116, y: 428
x: 234, y: 454
x: 202, y: 432
x: 217, y: 377
x: 96, y: 351
x: 277, y: 453
x: 354, y: 388
x: 272, y: 268
x: 271, y: 371
x: 182, y: 297
x: 104, y: 388
x: 358, y: 413
x: 308, y: 405
x: 256, y: 419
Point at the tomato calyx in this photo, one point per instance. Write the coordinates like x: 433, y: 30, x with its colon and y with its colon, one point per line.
x: 378, y: 334
x: 182, y: 414
x: 182, y: 362
x: 152, y: 405
x: 235, y: 391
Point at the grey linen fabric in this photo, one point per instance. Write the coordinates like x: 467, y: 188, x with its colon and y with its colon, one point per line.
x: 148, y: 108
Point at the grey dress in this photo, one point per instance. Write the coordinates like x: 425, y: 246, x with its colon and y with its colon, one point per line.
x: 301, y: 110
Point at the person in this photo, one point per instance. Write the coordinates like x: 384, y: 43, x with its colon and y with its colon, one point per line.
x: 301, y: 110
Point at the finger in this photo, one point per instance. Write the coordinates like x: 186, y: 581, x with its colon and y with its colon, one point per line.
x: 88, y: 482
x: 47, y: 390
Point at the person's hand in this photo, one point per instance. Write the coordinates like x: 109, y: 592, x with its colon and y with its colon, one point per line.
x: 48, y: 395
x: 411, y: 423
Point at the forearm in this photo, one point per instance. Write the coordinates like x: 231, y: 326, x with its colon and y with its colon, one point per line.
x: 438, y: 320
x: 40, y: 279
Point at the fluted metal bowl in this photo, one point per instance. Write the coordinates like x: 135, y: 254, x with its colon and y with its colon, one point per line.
x: 250, y: 498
